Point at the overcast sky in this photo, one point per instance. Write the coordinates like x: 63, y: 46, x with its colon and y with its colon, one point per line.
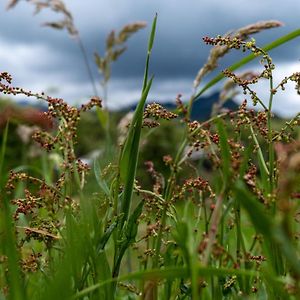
x: 41, y: 58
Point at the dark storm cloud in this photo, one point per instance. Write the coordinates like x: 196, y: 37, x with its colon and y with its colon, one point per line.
x: 178, y: 51
x: 178, y: 48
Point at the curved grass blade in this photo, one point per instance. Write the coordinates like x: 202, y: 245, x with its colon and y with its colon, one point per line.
x: 130, y: 232
x: 129, y: 155
x: 169, y: 273
x: 150, y: 46
x: 280, y: 41
x: 272, y: 232
x: 102, y: 183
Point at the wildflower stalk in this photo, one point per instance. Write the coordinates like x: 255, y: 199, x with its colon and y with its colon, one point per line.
x: 276, y: 252
x: 260, y: 154
x: 278, y: 42
x: 213, y: 229
x: 270, y: 138
x: 87, y: 65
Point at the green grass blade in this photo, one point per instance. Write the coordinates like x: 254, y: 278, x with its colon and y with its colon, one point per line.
x: 258, y: 216
x: 105, y: 238
x: 103, y: 117
x: 130, y: 232
x: 129, y: 157
x: 150, y: 46
x: 280, y: 41
x: 272, y: 232
x: 262, y: 164
x: 3, y: 150
x: 225, y: 151
x: 132, y: 225
x: 9, y: 249
x: 104, y: 273
x: 152, y: 35
x: 169, y: 273
x: 138, y: 114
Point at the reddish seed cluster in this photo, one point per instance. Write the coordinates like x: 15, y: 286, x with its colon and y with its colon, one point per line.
x: 39, y: 195
x: 45, y: 196
x: 250, y: 176
x: 94, y: 102
x: 31, y: 263
x: 157, y: 178
x: 150, y: 123
x: 247, y: 117
x: 168, y: 160
x: 43, y: 230
x: 182, y: 109
x: 245, y: 83
x: 295, y: 77
x: 7, y: 89
x: 13, y: 177
x: 231, y: 43
x: 198, y: 183
x: 199, y: 137
x: 215, y: 138
x: 44, y: 139
x: 250, y: 179
x: 194, y: 125
x: 156, y: 111
x: 5, y: 76
x: 257, y: 258
x: 241, y: 81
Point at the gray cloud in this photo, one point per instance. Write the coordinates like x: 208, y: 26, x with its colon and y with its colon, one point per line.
x: 179, y: 52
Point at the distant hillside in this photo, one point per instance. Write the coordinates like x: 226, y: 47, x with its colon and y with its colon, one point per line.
x: 201, y: 109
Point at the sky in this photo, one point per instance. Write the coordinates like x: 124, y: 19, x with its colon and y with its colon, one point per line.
x: 43, y: 59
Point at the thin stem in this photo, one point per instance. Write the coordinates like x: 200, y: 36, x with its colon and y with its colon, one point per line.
x: 87, y: 65
x: 213, y: 229
x: 270, y: 139
x: 260, y: 154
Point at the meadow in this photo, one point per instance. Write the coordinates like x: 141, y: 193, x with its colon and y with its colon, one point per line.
x: 171, y: 208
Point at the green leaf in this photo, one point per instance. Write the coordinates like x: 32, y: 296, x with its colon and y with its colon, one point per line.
x: 103, y: 116
x: 104, y: 273
x: 101, y: 182
x: 128, y: 237
x: 258, y: 216
x: 131, y: 228
x: 9, y: 248
x: 104, y: 239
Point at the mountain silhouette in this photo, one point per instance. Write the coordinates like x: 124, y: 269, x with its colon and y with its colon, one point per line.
x: 201, y: 109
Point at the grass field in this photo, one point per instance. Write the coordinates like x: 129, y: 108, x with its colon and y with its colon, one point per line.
x: 213, y: 214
